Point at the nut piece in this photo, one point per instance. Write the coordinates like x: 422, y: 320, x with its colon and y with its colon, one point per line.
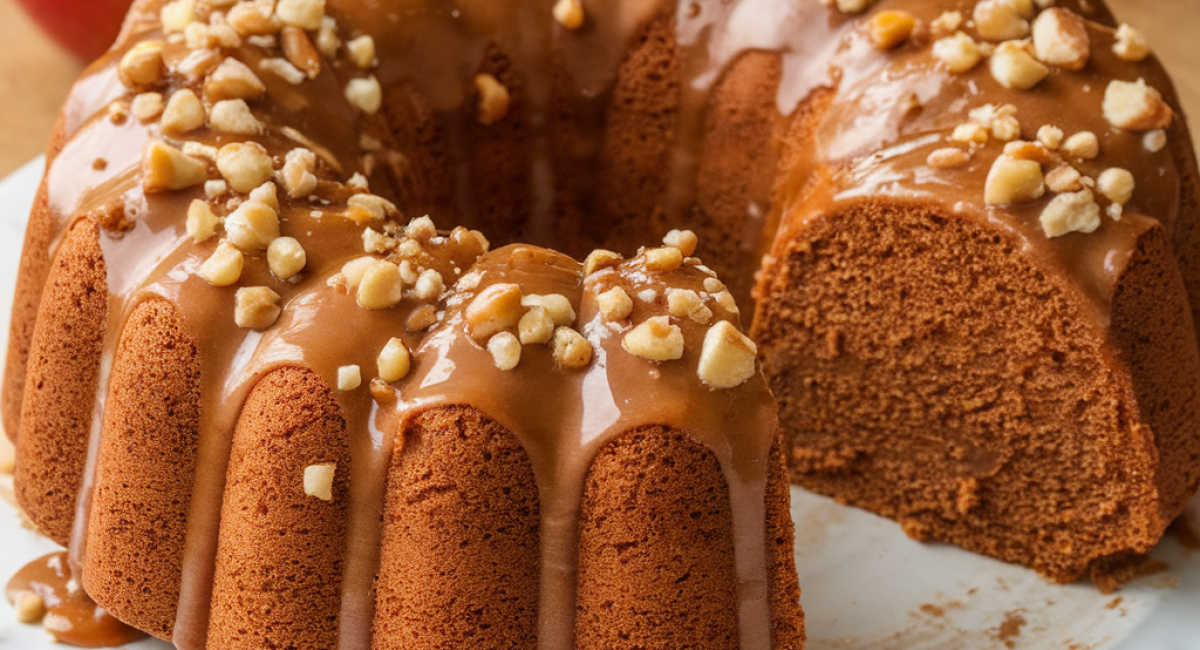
x: 1074, y: 212
x: 1084, y: 145
x: 141, y: 68
x: 1014, y: 67
x: 494, y: 99
x: 297, y: 175
x: 266, y: 193
x: 327, y: 37
x: 656, y: 339
x: 1000, y: 20
x: 684, y: 240
x: 318, y: 481
x: 381, y: 286
x: 685, y: 303
x: 354, y: 270
x: 362, y: 52
x: 166, y: 168
x: 505, y: 350
x: 1136, y: 106
x: 1012, y: 180
x: 727, y: 358
x: 948, y: 158
x: 557, y: 307
x: 147, y: 106
x: 349, y: 378
x: 252, y: 226
x: 569, y: 13
x: 245, y: 165
x: 365, y: 94
x: 177, y: 15
x: 1155, y: 141
x: 429, y: 285
x: 283, y: 69
x: 614, y: 304
x: 420, y: 229
x: 495, y: 309
x: 946, y: 24
x: 299, y: 50
x: 959, y: 52
x: 535, y: 327
x: 663, y: 260
x: 600, y: 259
x: 201, y: 222
x: 306, y: 14
x: 234, y: 116
x: 394, y: 361
x: 254, y: 18
x: 1131, y: 44
x: 224, y: 267
x: 257, y: 308
x: 1060, y: 38
x: 421, y: 319
x: 30, y: 608
x: 183, y: 113
x: 1051, y: 137
x: 286, y: 257
x: 233, y: 80
x: 726, y: 301
x: 1116, y: 185
x: 1064, y: 178
x: 890, y: 28
x: 571, y: 350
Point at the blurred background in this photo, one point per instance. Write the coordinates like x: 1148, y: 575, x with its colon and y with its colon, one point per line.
x: 36, y: 73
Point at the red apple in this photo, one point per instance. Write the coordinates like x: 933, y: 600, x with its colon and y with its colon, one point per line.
x: 85, y: 27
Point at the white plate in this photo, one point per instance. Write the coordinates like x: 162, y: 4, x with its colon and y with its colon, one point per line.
x: 866, y: 585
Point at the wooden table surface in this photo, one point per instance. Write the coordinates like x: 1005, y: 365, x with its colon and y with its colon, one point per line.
x: 35, y: 75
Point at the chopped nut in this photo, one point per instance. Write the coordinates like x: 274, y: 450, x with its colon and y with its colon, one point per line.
x: 327, y: 38
x: 222, y: 32
x: 557, y: 307
x: 201, y: 222
x: 349, y: 378
x: 318, y: 481
x: 569, y: 13
x: 946, y: 24
x: 429, y: 285
x: 971, y: 133
x: 1014, y: 67
x: 1155, y: 141
x: 571, y: 350
x: 685, y: 303
x: 420, y: 229
x: 266, y: 193
x: 495, y: 309
x: 183, y: 113
x: 505, y: 350
x: 725, y: 300
x: 141, y: 67
x: 727, y: 358
x: 394, y: 361
x: 1012, y: 180
x: 1060, y: 38
x: 202, y: 151
x: 1073, y: 212
x: 891, y: 28
x: 353, y: 271
x: 224, y: 267
x: 234, y: 116
x: 297, y: 175
x: 216, y: 188
x: 199, y: 36
x: 1084, y: 145
x: 663, y: 260
x: 1051, y: 137
x: 381, y: 286
x: 300, y: 52
x: 494, y: 99
x: 252, y: 226
x: 306, y: 14
x: 362, y: 52
x: 421, y: 319
x: 614, y: 304
x: 684, y: 240
x: 656, y: 339
x: 365, y: 94
x: 1064, y: 178
x: 147, y: 106
x: 1116, y: 185
x: 245, y: 165
x: 600, y: 259
x: 1136, y: 106
x: 233, y: 80
x: 1000, y: 20
x: 948, y: 158
x: 959, y: 52
x: 257, y: 308
x: 535, y: 327
x: 283, y: 69
x: 1131, y: 44
x: 30, y: 608
x: 194, y: 66
x: 166, y: 168
x: 286, y: 258
x: 377, y: 242
x: 177, y: 15
x: 253, y: 18
x: 1025, y: 150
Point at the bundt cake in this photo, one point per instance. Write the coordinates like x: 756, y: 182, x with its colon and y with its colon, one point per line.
x: 239, y: 383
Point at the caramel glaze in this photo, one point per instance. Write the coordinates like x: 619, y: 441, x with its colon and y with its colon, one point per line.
x: 875, y: 143
x: 71, y: 616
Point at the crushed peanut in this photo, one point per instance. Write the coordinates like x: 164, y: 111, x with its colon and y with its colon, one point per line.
x: 362, y: 52
x: 1071, y: 212
x: 891, y: 28
x: 727, y: 358
x: 1051, y: 137
x: 1012, y: 180
x: 1116, y: 185
x: 306, y: 14
x: 177, y: 15
x: 349, y: 378
x: 201, y: 222
x: 1084, y: 145
x: 663, y: 260
x: 283, y: 69
x: 381, y: 286
x: 1000, y: 20
x: 505, y: 350
x: 253, y: 18
x: 684, y: 240
x: 535, y: 327
x: 183, y: 113
x: 959, y: 52
x: 245, y: 165
x: 615, y: 304
x: 1131, y: 44
x: 1064, y: 178
x: 494, y: 99
x: 948, y: 158
x: 286, y: 258
x: 234, y: 116
x: 232, y: 79
x: 421, y: 319
x: 600, y: 259
x: 1060, y: 38
x: 1155, y: 141
x: 318, y: 481
x: 495, y: 309
x: 297, y: 174
x: 429, y: 285
x: 299, y: 51
x: 147, y: 106
x: 571, y: 350
x: 327, y: 38
x: 353, y: 271
x: 656, y: 339
x: 394, y: 361
x: 685, y: 303
x: 257, y: 308
x: 946, y: 24
x: 557, y: 307
x: 365, y: 94
x: 252, y: 226
x: 1136, y: 106
x: 141, y: 68
x: 165, y: 168
x: 1014, y: 67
